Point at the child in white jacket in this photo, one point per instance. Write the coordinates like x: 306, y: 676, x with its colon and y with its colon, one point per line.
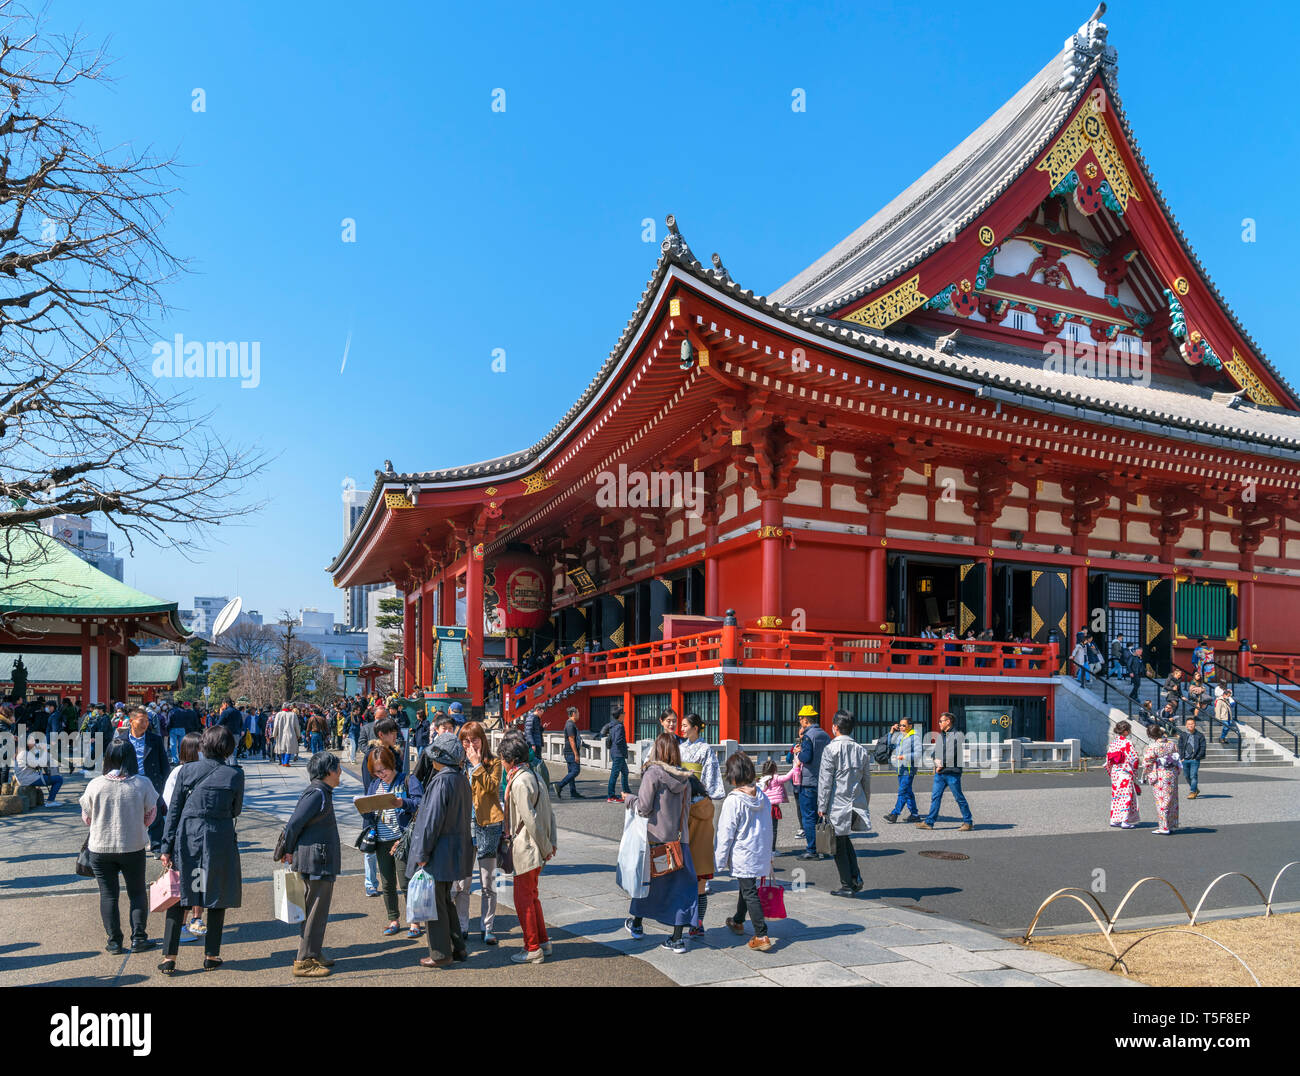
x: 744, y: 846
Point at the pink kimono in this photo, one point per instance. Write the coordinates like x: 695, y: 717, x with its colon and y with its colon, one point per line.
x: 1160, y: 768
x: 1123, y: 781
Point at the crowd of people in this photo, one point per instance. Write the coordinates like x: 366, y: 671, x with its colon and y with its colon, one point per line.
x: 454, y: 812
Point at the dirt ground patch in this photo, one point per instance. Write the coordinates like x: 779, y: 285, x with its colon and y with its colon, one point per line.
x: 1270, y: 947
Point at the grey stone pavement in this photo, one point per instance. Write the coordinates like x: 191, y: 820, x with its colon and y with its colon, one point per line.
x: 921, y: 921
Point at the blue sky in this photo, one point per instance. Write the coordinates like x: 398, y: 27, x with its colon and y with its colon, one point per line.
x: 521, y: 229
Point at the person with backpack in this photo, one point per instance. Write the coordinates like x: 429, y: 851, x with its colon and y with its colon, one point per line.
x: 903, y: 748
x: 615, y: 735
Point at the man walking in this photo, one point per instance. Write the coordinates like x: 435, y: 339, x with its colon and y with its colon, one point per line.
x: 1223, y: 713
x: 533, y: 730
x: 572, y: 741
x: 1136, y: 668
x: 615, y: 734
x: 1118, y: 656
x: 812, y: 743
x: 907, y: 750
x: 1191, y: 748
x: 948, y: 758
x: 843, y: 788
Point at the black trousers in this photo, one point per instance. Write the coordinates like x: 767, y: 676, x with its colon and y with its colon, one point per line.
x: 157, y: 826
x: 445, y: 938
x: 106, y: 866
x: 846, y: 862
x: 748, y: 901
x: 392, y: 876
x: 214, y: 918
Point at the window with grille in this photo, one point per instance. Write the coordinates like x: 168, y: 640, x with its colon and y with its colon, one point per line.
x: 1124, y: 591
x: 704, y: 703
x: 773, y: 716
x: 1079, y: 334
x: 1204, y: 609
x: 600, y: 710
x: 1022, y: 320
x: 648, y: 709
x: 875, y: 711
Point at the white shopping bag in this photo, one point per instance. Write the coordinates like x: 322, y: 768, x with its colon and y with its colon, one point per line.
x: 634, y: 856
x: 421, y: 898
x: 290, y: 896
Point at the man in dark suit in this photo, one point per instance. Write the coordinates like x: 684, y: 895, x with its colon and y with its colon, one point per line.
x: 151, y: 763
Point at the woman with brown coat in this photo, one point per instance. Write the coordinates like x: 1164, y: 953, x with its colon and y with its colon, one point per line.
x: 699, y: 834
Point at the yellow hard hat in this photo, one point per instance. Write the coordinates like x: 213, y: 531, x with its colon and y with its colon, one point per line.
x: 807, y: 711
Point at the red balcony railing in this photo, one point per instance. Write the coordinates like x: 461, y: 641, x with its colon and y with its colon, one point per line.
x: 770, y: 649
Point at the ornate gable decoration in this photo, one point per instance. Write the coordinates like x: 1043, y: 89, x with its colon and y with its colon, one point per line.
x: 891, y: 306
x: 1088, y: 136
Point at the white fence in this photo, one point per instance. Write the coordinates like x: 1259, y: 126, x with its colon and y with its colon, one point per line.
x: 985, y: 754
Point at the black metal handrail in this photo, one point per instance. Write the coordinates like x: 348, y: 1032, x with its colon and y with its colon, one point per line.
x: 1237, y: 680
x: 1135, y: 707
x: 1264, y: 721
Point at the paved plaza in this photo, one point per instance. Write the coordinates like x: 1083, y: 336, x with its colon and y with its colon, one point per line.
x: 921, y: 920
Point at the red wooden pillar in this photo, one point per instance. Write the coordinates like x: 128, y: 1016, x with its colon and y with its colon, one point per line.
x: 87, y: 681
x: 771, y: 538
x: 876, y: 571
x: 677, y: 699
x: 102, y: 670
x: 408, y: 647
x: 425, y: 642
x: 474, y: 624
x: 629, y: 715
x: 710, y: 570
x: 1246, y: 616
x: 940, y: 704
x: 1079, y: 617
x: 729, y: 690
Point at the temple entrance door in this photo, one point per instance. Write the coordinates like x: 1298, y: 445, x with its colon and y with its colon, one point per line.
x: 970, y: 598
x: 1032, y: 602
x: 1158, y: 625
x: 655, y: 599
x: 896, y: 595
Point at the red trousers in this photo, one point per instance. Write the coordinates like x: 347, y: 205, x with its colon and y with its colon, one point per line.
x: 529, y: 910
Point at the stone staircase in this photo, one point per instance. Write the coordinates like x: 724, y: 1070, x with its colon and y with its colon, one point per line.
x: 1258, y: 748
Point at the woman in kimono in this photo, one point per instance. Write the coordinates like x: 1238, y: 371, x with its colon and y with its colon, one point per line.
x: 1160, y: 768
x: 1121, y: 764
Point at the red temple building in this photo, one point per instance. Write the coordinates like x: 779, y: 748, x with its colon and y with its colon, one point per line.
x: 1011, y: 403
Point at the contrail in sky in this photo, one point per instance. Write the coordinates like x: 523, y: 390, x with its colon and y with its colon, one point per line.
x: 347, y: 344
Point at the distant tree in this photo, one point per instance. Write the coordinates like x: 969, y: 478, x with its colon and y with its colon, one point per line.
x: 197, y: 656
x: 249, y: 642
x: 221, y: 679
x: 87, y: 425
x: 292, y: 654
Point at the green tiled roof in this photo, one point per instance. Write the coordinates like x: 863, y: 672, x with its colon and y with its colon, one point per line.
x: 40, y: 576
x: 66, y: 668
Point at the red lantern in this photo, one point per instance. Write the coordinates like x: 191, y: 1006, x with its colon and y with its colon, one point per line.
x: 521, y: 585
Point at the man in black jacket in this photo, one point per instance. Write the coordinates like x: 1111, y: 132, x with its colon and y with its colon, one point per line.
x: 615, y: 734
x: 441, y: 845
x: 151, y: 763
x: 949, y: 755
x: 1191, y: 748
x: 1136, y: 668
x: 232, y: 721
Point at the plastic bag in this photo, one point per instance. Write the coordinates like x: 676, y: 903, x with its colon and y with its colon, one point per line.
x: 421, y: 898
x: 633, y: 872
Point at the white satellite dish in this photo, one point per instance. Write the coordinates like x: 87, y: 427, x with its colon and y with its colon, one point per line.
x: 227, y: 616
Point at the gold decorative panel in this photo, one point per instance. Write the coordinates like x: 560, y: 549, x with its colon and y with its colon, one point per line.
x: 1240, y: 372
x: 397, y: 500
x: 535, y: 483
x: 888, y: 308
x: 1088, y: 131
x: 1035, y: 623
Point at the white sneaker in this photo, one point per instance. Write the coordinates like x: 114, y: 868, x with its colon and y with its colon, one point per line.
x: 524, y: 956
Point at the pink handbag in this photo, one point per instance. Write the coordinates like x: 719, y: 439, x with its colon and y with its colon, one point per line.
x: 771, y: 898
x: 165, y: 892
